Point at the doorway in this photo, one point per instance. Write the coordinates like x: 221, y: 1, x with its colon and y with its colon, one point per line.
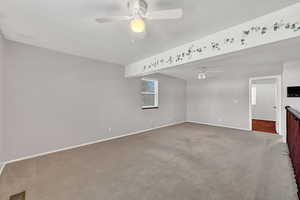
x: 265, y: 104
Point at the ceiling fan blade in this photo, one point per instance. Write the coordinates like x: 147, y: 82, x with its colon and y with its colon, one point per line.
x: 214, y: 71
x: 113, y: 19
x: 165, y: 14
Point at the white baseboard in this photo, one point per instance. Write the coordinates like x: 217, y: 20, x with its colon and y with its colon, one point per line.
x: 86, y: 144
x: 2, y: 165
x: 220, y: 125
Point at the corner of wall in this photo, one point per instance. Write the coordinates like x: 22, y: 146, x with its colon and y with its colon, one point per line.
x: 186, y: 100
x: 2, y: 40
x: 2, y: 165
x: 290, y: 77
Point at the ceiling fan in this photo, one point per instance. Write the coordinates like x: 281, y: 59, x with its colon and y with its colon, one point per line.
x: 139, y: 13
x: 204, y: 73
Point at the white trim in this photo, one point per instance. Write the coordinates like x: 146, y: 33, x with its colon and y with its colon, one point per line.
x: 155, y: 93
x: 112, y: 138
x: 149, y: 79
x: 90, y: 143
x: 149, y: 106
x: 279, y: 99
x: 2, y: 165
x: 151, y: 93
x: 219, y: 125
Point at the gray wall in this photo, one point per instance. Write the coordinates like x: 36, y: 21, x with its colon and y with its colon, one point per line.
x: 291, y: 77
x: 55, y: 100
x: 224, y: 100
x: 1, y: 98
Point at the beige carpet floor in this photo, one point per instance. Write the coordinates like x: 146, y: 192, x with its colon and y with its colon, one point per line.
x: 182, y: 162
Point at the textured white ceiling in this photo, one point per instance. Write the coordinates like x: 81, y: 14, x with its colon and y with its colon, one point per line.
x: 69, y: 26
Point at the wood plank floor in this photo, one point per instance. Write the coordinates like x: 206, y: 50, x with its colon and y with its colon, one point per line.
x: 264, y: 126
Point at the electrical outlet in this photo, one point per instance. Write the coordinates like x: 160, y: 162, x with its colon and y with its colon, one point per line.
x: 109, y: 129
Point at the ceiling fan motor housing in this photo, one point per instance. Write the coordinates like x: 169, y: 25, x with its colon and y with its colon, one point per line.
x: 138, y: 7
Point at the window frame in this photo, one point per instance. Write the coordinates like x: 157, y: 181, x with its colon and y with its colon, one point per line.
x: 155, y: 93
x: 253, y: 95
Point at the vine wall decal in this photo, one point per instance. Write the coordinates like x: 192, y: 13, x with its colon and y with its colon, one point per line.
x: 192, y: 51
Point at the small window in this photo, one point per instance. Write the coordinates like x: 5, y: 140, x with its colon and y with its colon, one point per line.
x: 149, y: 94
x: 253, y: 95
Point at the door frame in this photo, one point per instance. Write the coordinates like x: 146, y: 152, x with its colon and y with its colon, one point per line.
x: 279, y: 100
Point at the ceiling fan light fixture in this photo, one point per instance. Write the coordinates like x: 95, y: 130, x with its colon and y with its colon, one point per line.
x: 201, y: 76
x: 137, y: 25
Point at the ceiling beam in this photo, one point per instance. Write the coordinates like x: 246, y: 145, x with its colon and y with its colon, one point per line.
x: 274, y: 27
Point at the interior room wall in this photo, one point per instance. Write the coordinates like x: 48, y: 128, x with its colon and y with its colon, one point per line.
x: 265, y: 101
x: 54, y: 100
x: 224, y: 100
x: 291, y: 77
x: 1, y: 98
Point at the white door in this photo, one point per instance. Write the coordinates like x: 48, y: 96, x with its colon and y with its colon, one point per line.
x: 265, y: 100
x: 265, y: 107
